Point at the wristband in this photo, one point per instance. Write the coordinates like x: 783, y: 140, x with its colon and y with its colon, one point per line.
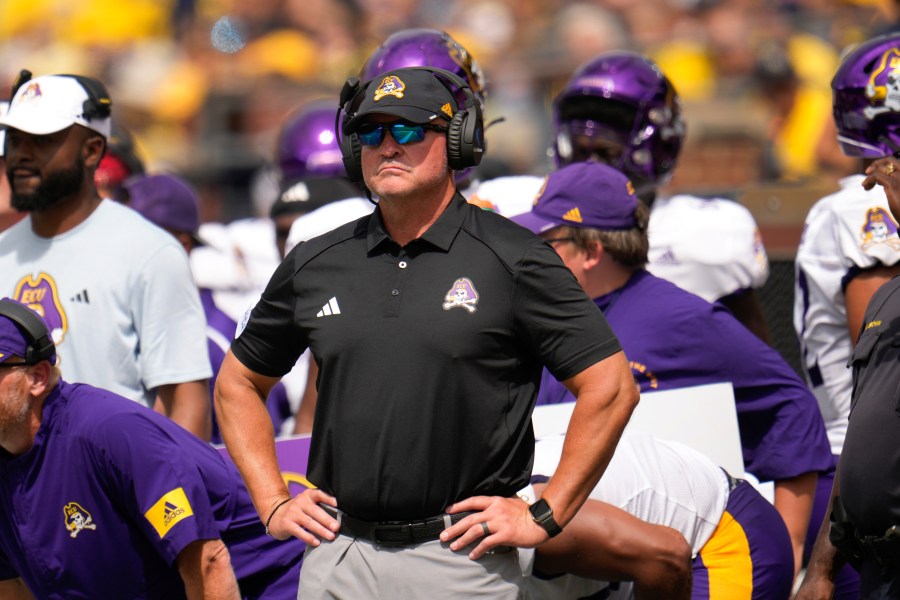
x: 272, y: 514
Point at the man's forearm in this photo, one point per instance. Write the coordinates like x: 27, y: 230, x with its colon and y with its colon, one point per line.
x: 205, y: 568
x: 794, y: 500
x: 825, y: 560
x: 605, y: 396
x: 188, y: 404
x: 248, y: 434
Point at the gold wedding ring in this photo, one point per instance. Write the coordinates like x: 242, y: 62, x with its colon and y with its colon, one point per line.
x: 889, y: 169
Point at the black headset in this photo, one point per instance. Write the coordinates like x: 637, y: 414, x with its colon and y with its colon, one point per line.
x: 40, y: 346
x: 98, y: 104
x: 465, y: 134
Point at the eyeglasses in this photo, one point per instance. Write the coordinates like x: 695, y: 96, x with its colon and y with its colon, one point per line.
x: 404, y: 133
x: 559, y: 240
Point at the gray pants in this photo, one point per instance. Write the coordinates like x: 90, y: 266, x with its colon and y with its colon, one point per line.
x: 347, y: 568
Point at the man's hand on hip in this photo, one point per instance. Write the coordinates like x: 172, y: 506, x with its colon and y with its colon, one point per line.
x: 498, y: 521
x: 303, y: 518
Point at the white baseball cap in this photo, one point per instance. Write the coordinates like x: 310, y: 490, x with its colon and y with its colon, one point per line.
x: 3, y: 106
x: 51, y: 103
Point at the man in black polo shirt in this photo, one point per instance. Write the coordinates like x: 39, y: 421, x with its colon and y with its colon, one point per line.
x: 430, y: 321
x: 864, y: 528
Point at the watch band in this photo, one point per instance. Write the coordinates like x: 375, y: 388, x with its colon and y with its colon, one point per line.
x: 542, y: 514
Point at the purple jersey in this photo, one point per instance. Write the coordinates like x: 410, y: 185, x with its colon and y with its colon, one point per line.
x: 674, y: 339
x: 111, y: 493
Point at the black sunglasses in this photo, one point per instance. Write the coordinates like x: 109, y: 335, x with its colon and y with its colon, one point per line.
x: 372, y: 134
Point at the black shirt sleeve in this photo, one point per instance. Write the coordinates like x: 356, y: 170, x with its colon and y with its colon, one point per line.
x: 566, y: 329
x: 271, y: 342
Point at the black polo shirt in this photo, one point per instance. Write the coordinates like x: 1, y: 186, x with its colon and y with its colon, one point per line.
x: 870, y: 459
x: 429, y: 355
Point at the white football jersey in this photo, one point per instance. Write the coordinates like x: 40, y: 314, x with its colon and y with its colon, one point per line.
x: 509, y: 196
x: 846, y: 232
x: 709, y: 247
x: 660, y: 482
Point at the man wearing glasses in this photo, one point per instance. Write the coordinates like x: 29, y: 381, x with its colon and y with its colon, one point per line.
x: 422, y: 432
x: 590, y: 214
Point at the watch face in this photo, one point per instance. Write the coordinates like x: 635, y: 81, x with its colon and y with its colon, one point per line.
x: 540, y: 510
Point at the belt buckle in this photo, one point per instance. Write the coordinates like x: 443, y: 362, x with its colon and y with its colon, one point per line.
x: 403, y: 531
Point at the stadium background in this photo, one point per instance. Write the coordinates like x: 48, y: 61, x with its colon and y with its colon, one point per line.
x: 204, y: 84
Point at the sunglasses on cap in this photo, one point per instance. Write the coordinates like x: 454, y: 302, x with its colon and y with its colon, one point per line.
x: 372, y: 134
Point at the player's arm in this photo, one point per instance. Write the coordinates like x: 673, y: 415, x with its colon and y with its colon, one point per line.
x: 188, y: 404
x: 825, y: 560
x: 14, y: 589
x: 747, y: 308
x: 604, y: 542
x: 860, y: 290
x: 605, y: 397
x: 794, y: 502
x: 246, y: 428
x: 205, y: 568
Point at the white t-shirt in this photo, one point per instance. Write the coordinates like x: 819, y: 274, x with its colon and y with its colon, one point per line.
x: 117, y: 294
x: 660, y: 482
x: 847, y: 231
x: 709, y: 247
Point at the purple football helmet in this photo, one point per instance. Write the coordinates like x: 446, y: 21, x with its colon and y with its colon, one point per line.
x: 866, y: 98
x: 625, y: 98
x: 307, y: 144
x: 426, y: 48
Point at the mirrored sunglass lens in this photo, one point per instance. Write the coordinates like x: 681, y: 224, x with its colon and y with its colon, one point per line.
x: 371, y: 135
x: 405, y: 133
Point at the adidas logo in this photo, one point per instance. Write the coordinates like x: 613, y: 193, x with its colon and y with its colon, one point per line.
x: 81, y: 296
x: 171, y: 511
x: 667, y: 258
x: 573, y: 215
x: 329, y: 309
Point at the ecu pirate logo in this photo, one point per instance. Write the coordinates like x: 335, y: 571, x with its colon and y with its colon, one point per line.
x: 879, y: 228
x: 77, y: 519
x: 462, y: 295
x: 390, y: 86
x: 883, y: 88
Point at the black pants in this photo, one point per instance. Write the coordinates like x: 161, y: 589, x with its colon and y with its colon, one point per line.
x: 879, y: 583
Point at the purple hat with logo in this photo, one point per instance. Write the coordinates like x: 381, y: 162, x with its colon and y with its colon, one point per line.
x: 166, y: 201
x: 16, y: 341
x: 589, y: 194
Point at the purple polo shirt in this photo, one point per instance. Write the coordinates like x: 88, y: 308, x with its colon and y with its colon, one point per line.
x: 111, y: 493
x: 674, y: 339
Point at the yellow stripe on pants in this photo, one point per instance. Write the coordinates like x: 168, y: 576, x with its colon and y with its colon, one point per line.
x: 727, y: 559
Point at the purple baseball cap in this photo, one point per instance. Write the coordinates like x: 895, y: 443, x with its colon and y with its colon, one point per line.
x: 589, y: 194
x: 166, y: 201
x: 14, y: 341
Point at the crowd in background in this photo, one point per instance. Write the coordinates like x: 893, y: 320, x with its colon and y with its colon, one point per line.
x: 204, y: 84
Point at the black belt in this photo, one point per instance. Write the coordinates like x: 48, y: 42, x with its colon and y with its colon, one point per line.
x: 395, y: 533
x: 733, y: 481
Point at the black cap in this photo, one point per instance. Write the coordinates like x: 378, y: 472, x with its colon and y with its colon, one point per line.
x: 413, y: 94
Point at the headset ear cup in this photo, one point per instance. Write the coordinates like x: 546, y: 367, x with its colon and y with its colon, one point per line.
x: 455, y: 152
x: 464, y: 140
x: 351, y: 152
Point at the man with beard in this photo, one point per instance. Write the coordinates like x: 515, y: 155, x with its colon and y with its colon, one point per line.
x: 115, y: 290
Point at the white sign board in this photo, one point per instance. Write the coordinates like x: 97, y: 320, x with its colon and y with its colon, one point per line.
x: 702, y: 417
